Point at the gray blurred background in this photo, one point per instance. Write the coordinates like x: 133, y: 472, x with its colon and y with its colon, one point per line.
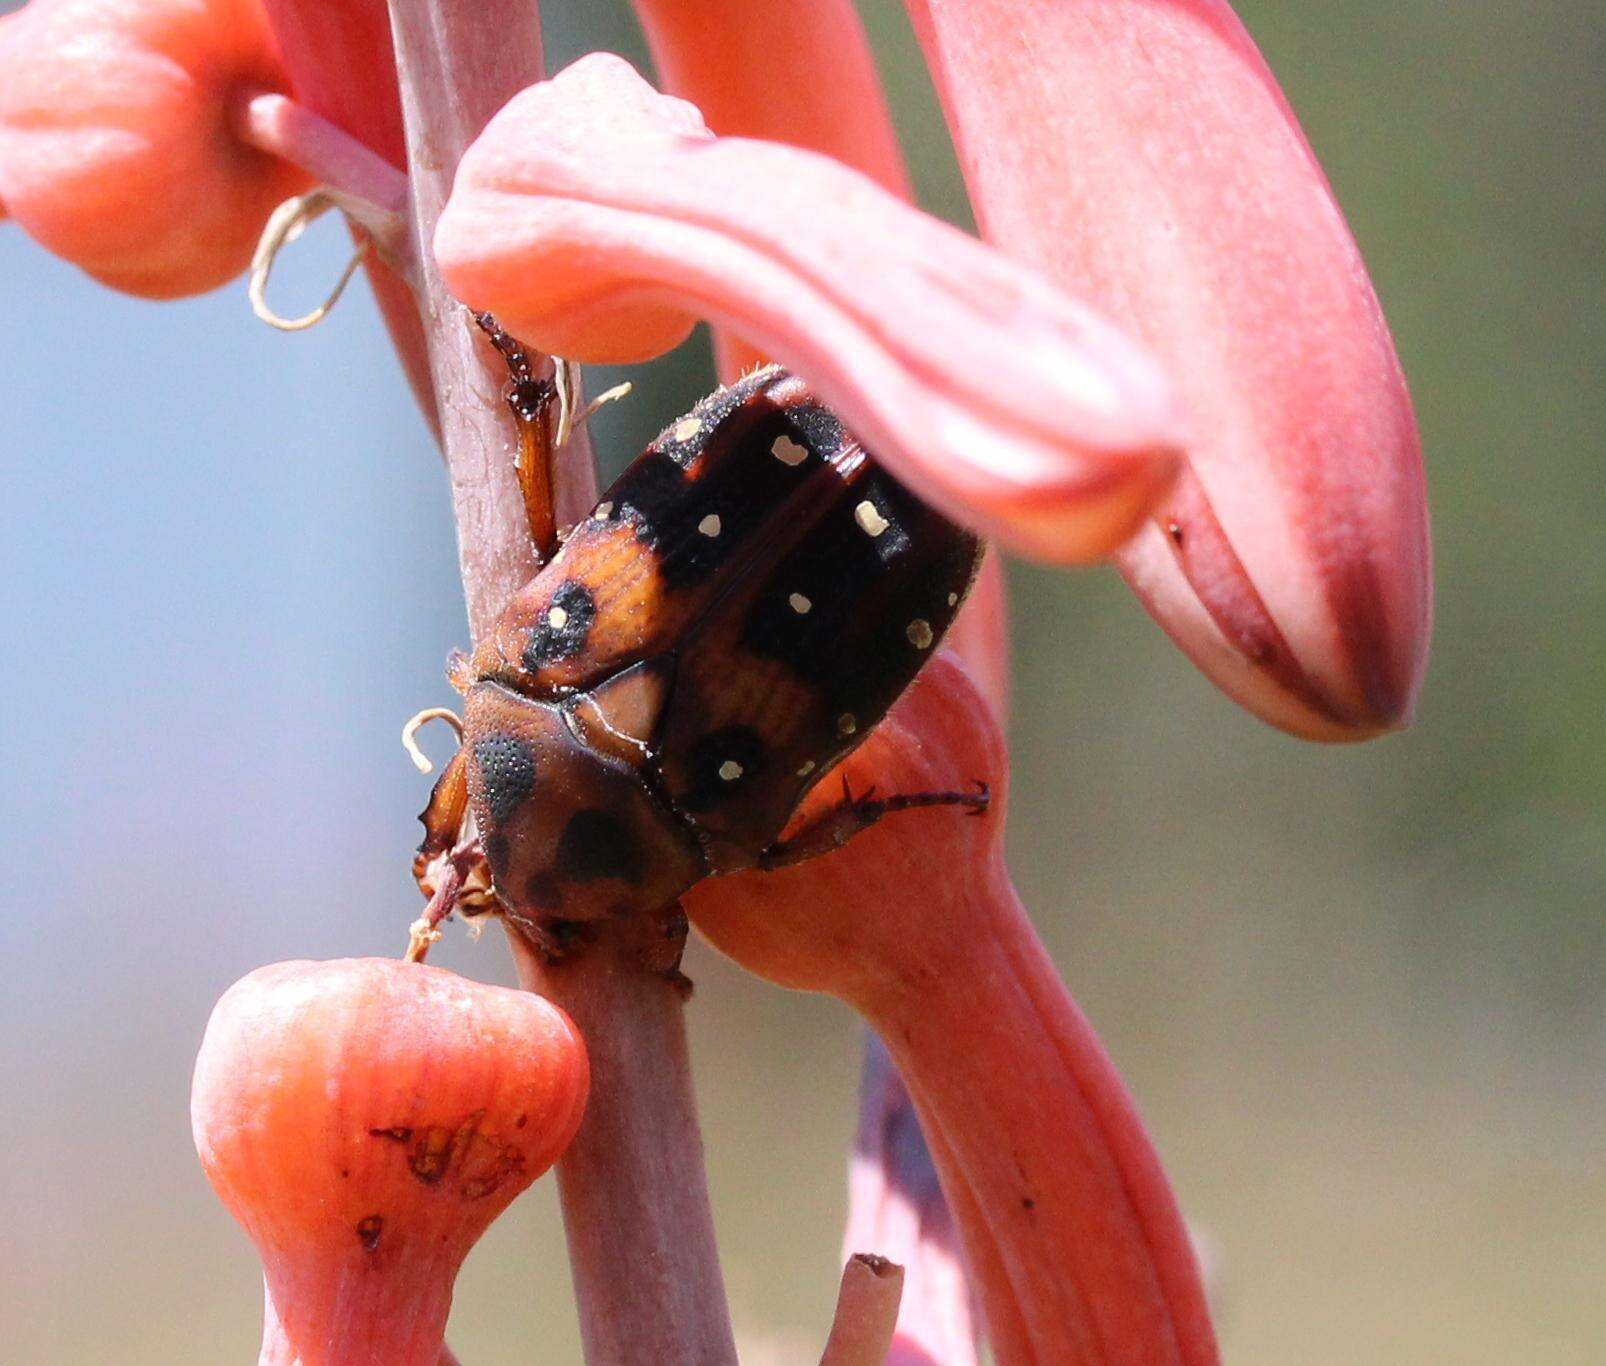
x: 1357, y: 992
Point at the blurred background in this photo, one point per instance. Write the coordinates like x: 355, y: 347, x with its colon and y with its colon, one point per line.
x: 1357, y: 992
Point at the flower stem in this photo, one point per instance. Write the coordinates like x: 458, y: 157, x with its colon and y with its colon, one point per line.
x: 635, y: 1203
x: 866, y: 1312
x: 456, y: 66
x: 635, y: 1200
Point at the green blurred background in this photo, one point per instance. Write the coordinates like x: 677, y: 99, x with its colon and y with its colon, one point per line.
x: 1357, y: 992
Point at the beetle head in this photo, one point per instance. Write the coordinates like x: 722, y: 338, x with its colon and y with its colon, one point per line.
x: 571, y: 831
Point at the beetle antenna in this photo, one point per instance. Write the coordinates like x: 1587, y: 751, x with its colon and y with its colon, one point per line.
x: 566, y: 375
x: 410, y: 734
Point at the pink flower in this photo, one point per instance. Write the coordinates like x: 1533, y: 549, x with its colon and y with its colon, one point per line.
x: 116, y: 150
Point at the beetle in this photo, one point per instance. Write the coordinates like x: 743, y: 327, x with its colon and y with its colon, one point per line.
x: 744, y: 604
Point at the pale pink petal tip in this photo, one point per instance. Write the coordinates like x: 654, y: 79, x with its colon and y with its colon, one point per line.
x: 1341, y: 660
x: 599, y: 220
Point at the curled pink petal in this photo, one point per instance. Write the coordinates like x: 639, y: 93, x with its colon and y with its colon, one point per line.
x: 116, y: 147
x: 1146, y: 160
x: 598, y: 219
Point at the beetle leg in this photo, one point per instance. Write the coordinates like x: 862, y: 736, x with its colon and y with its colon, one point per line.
x: 834, y: 828
x: 460, y: 672
x: 529, y: 398
x: 529, y: 401
x: 450, y: 867
x: 444, y: 816
x: 425, y: 931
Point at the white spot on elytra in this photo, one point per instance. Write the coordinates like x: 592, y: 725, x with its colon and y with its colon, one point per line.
x: 953, y: 599
x: 869, y: 518
x: 788, y: 452
x: 847, y: 723
x: 557, y: 618
x: 919, y: 633
x: 686, y: 428
x: 710, y: 525
x: 800, y: 604
x: 808, y: 768
x: 730, y: 770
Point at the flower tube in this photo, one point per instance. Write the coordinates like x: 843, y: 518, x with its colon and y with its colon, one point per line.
x: 1080, y: 1253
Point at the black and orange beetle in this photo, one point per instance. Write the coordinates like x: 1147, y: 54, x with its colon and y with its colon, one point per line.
x: 749, y: 598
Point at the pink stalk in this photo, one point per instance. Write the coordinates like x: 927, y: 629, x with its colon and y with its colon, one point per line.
x: 634, y: 1196
x: 342, y: 68
x: 635, y: 1200
x: 1078, y: 1248
x: 277, y: 124
x: 866, y: 1313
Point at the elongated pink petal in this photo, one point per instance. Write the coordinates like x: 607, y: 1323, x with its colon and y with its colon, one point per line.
x: 1145, y: 159
x: 598, y: 218
x: 805, y: 75
x: 1080, y: 1254
x: 116, y: 148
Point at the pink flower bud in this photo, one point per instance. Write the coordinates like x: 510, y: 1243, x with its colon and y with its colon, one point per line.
x: 365, y: 1120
